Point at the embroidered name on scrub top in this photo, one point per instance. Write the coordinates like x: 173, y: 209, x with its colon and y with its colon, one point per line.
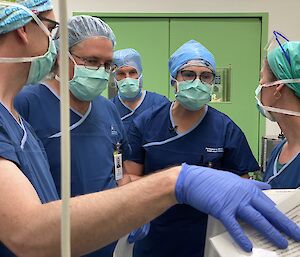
x: 214, y: 150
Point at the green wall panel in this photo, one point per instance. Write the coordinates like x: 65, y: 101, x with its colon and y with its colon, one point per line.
x: 150, y: 37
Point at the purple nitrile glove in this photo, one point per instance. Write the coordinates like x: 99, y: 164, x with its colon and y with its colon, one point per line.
x: 227, y: 197
x: 138, y: 233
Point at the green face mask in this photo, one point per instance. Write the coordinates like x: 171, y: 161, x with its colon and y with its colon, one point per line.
x: 87, y: 84
x: 40, y: 67
x: 193, y: 95
x: 129, y: 88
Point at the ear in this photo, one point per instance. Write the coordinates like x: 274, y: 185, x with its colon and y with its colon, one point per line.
x: 278, y: 90
x: 22, y: 34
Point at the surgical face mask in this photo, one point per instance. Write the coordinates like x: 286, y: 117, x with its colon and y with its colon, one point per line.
x: 40, y: 65
x: 266, y: 110
x: 87, y: 83
x: 193, y: 95
x: 129, y: 88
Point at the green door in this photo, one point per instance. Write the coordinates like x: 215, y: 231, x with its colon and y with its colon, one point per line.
x: 235, y: 43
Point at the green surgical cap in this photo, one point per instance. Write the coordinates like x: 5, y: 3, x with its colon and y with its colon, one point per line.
x: 13, y: 17
x: 281, y: 67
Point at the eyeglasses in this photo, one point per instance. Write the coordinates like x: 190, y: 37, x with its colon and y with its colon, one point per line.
x: 54, y: 25
x: 94, y: 63
x: 277, y: 38
x: 205, y: 77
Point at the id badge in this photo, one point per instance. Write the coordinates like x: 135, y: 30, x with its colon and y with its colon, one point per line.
x: 118, y: 164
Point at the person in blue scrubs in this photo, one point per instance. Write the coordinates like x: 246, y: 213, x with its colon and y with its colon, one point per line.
x: 95, y: 125
x: 278, y: 98
x: 186, y: 130
x: 131, y: 99
x: 30, y: 212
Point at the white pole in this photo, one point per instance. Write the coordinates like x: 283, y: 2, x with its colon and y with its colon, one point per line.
x: 65, y: 129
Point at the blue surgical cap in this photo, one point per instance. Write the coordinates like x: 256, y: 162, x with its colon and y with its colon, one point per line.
x: 128, y: 57
x: 281, y: 67
x: 191, y: 50
x: 13, y: 17
x: 83, y: 27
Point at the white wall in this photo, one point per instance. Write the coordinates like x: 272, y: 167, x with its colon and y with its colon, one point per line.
x: 283, y: 15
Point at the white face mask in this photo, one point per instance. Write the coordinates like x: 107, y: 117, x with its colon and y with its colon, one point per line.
x: 266, y: 110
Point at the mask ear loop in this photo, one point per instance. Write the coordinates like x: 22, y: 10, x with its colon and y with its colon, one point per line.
x: 40, y: 24
x: 176, y: 88
x: 73, y: 60
x: 140, y: 81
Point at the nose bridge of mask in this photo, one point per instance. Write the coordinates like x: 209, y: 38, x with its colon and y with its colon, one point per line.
x: 82, y: 72
x: 197, y: 83
x: 40, y: 24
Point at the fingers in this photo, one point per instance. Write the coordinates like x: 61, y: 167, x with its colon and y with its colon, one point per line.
x: 139, y: 233
x: 278, y: 219
x: 146, y: 229
x: 235, y: 230
x: 132, y: 236
x: 260, y: 185
x: 252, y: 217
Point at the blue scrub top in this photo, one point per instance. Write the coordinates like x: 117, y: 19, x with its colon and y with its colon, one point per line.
x: 286, y: 177
x: 215, y: 141
x: 19, y: 144
x: 149, y: 99
x: 93, y: 140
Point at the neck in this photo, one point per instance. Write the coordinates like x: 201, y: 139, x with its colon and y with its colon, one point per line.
x: 185, y: 119
x: 180, y: 112
x: 13, y: 78
x: 76, y: 104
x: 133, y: 104
x: 290, y: 126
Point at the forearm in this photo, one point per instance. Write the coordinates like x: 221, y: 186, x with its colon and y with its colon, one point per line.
x: 100, y: 218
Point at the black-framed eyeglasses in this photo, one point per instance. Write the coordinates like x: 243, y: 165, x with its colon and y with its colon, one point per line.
x: 94, y: 63
x: 205, y: 77
x: 54, y: 25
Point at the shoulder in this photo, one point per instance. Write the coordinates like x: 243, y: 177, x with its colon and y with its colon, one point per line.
x: 155, y: 97
x: 115, y: 99
x: 32, y: 90
x: 221, y: 119
x: 101, y: 100
x: 30, y: 93
x: 153, y: 113
x: 106, y: 105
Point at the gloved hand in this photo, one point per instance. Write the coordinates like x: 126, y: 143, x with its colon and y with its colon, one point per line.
x: 139, y: 233
x: 227, y: 197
